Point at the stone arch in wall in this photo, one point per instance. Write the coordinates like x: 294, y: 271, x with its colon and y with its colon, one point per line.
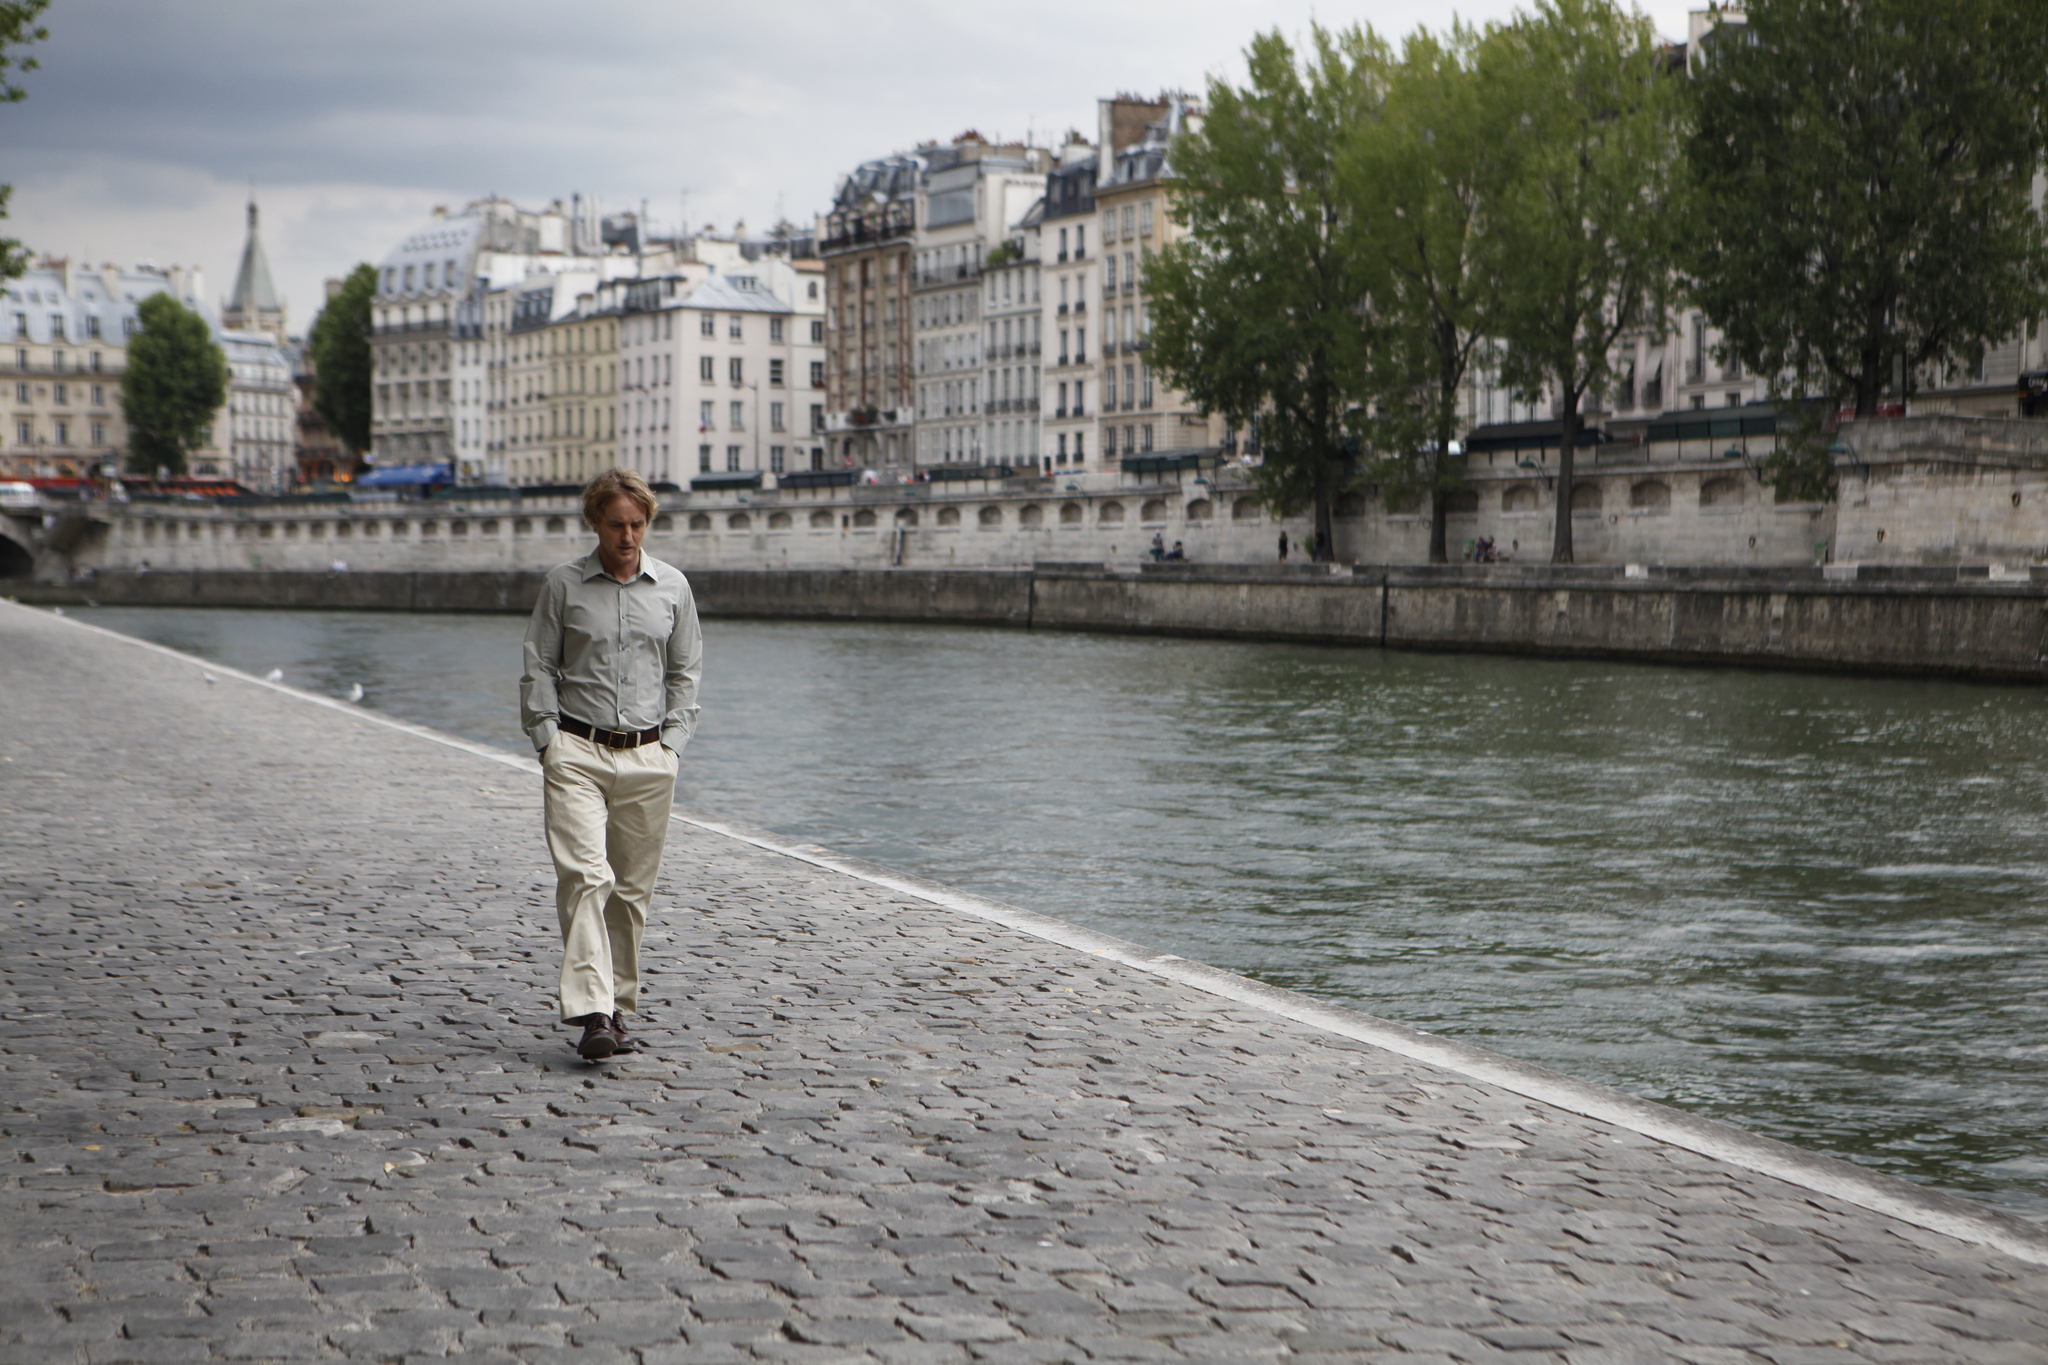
x: 664, y: 524
x: 1650, y: 495
x: 1070, y: 514
x: 949, y: 516
x: 1721, y: 492
x: 1585, y: 497
x: 556, y: 527
x: 821, y: 521
x: 699, y: 522
x: 1519, y: 498
x: 521, y: 527
x: 489, y: 526
x: 1031, y: 514
x: 739, y: 521
x: 864, y: 519
x: 778, y: 521
x: 1462, y: 502
x: 1153, y: 510
x: 1201, y: 509
x: 1110, y: 514
x: 1245, y: 509
x: 989, y: 518
x: 906, y: 517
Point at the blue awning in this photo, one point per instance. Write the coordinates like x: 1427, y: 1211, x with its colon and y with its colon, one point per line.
x: 405, y: 476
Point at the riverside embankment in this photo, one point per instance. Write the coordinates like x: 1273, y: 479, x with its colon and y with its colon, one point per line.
x: 283, y: 1082
x: 1917, y: 621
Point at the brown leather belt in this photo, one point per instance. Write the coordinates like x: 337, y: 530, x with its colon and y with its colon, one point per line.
x: 607, y: 739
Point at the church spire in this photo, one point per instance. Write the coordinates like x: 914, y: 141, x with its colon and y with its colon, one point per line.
x: 254, y: 306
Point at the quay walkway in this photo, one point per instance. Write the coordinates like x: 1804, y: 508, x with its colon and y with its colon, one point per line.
x: 280, y: 1081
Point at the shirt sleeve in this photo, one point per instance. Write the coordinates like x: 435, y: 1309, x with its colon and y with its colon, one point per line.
x: 539, y: 707
x: 683, y: 666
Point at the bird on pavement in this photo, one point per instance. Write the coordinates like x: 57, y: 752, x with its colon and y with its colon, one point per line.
x: 355, y: 692
x: 210, y: 679
x: 274, y: 675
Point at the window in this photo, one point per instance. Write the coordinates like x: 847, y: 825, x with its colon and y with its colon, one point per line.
x: 775, y: 417
x: 1145, y: 373
x: 99, y: 433
x: 775, y: 454
x: 703, y: 459
x: 812, y: 290
x: 732, y: 459
x: 817, y: 418
x: 732, y: 327
x: 739, y: 417
x: 1109, y: 274
x: 775, y: 329
x: 24, y: 433
x: 1145, y: 219
x: 706, y: 369
x: 704, y: 416
x: 21, y: 393
x: 95, y: 365
x: 1109, y: 225
x: 61, y: 393
x: 775, y: 373
x: 736, y: 370
x: 817, y: 374
x: 92, y: 326
x: 1127, y: 220
x: 1130, y: 386
x: 63, y: 433
x: 1080, y: 242
x: 817, y: 328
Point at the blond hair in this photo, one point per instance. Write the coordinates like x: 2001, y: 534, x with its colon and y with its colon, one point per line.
x: 616, y: 483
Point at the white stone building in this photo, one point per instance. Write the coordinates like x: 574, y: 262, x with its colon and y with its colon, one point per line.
x: 1013, y: 308
x: 968, y: 199
x: 1067, y: 430
x: 713, y: 373
x: 261, y: 419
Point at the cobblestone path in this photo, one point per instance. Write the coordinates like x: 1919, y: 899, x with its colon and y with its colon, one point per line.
x: 279, y: 1080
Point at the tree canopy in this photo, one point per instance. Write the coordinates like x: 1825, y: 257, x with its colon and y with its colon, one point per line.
x: 1422, y: 172
x: 1588, y: 210
x: 18, y: 29
x: 1258, y: 313
x: 1863, y: 172
x: 177, y: 380
x: 340, y: 346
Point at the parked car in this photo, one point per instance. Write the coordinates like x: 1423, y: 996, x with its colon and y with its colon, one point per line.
x: 18, y: 497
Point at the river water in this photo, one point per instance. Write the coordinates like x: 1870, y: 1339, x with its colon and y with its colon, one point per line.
x: 1813, y: 906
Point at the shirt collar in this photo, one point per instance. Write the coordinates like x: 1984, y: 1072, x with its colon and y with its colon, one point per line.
x: 593, y: 567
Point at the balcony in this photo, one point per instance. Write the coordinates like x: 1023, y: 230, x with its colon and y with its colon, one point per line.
x: 1081, y: 306
x: 853, y: 239
x: 1063, y: 308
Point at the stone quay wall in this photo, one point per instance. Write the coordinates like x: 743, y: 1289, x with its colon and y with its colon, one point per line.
x: 1917, y: 621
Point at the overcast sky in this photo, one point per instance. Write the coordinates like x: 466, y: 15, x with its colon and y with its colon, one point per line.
x: 151, y: 119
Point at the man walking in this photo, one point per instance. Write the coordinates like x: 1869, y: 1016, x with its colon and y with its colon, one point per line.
x: 609, y: 699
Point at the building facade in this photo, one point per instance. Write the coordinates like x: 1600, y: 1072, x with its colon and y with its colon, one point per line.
x: 1139, y: 415
x: 261, y: 420
x: 865, y: 247
x: 1067, y: 436
x: 1013, y: 304
x: 67, y: 328
x: 970, y: 198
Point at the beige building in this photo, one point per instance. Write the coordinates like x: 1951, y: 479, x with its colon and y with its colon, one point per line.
x: 582, y: 381
x: 1139, y: 415
x: 67, y: 328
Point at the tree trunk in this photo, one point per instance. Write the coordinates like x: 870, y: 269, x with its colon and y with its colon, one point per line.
x: 1567, y: 447
x: 1439, y: 503
x: 1870, y: 379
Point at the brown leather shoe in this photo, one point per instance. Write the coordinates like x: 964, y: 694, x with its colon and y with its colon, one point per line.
x: 599, y: 1042
x: 626, y: 1041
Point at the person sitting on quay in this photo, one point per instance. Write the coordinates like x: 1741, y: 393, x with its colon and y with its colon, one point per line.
x: 1176, y: 554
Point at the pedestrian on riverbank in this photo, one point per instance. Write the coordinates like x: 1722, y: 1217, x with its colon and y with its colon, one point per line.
x: 1283, y: 547
x: 609, y: 699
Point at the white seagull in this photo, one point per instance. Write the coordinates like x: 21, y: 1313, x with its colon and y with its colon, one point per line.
x: 274, y: 675
x: 355, y: 692
x: 210, y: 679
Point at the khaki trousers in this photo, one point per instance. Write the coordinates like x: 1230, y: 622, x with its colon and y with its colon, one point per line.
x: 607, y: 819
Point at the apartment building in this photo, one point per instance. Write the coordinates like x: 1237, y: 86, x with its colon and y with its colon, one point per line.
x: 1013, y: 305
x: 1139, y: 415
x: 865, y: 247
x: 1067, y: 433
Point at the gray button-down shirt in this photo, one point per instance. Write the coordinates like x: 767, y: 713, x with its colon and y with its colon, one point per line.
x: 620, y: 656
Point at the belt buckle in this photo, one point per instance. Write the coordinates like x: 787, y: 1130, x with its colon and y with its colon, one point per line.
x: 616, y: 739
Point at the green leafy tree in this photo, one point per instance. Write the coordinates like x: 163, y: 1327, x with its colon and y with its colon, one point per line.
x: 1862, y: 173
x: 340, y: 346
x: 1582, y: 227
x: 1259, y: 311
x: 177, y: 380
x: 18, y: 29
x: 1421, y: 172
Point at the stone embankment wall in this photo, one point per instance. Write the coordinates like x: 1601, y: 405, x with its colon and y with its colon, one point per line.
x: 1908, y: 621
